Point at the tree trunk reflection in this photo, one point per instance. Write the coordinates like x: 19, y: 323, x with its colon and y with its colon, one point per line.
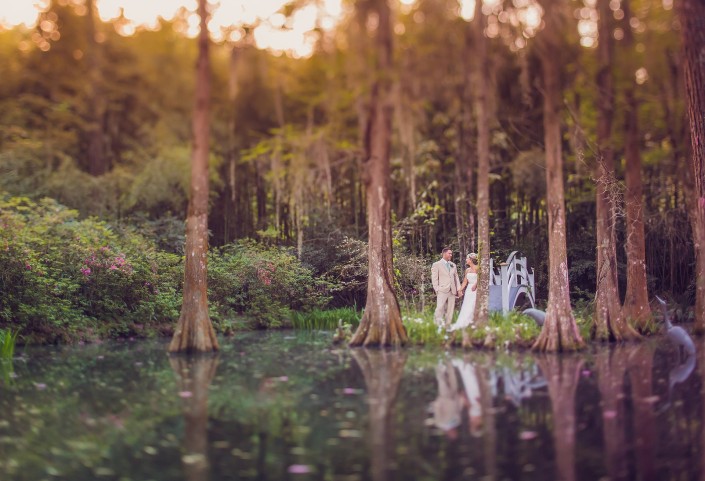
x: 640, y: 368
x: 611, y: 367
x: 194, y: 377
x: 562, y: 375
x: 382, y: 371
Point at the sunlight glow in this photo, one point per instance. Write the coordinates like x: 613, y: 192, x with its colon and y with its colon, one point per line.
x: 272, y: 29
x: 641, y: 76
x: 587, y: 22
x: 467, y: 9
x: 21, y: 13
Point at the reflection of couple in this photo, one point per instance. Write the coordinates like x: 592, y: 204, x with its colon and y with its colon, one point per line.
x: 447, y: 407
x: 446, y: 284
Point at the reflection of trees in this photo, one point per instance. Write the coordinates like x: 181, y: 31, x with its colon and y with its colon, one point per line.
x: 194, y: 376
x: 611, y: 365
x: 640, y: 368
x: 488, y: 423
x: 562, y: 375
x: 383, y: 372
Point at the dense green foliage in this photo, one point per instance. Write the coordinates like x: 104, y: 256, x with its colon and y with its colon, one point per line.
x: 64, y: 278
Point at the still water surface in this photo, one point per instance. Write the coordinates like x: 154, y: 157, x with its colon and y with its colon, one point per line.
x: 288, y: 406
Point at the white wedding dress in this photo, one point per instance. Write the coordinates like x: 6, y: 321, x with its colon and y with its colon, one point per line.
x: 467, y: 311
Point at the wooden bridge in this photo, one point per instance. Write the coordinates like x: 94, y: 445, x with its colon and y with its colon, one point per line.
x: 512, y: 285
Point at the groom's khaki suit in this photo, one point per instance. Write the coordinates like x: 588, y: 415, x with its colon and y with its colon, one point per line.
x: 446, y: 283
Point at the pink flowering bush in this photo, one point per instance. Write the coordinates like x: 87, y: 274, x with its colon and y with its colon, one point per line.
x: 64, y: 278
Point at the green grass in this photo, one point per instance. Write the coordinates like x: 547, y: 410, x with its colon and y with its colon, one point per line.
x: 8, y: 339
x: 325, y: 319
x: 421, y: 328
x: 512, y: 330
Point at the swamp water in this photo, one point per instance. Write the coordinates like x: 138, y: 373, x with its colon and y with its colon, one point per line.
x: 287, y: 405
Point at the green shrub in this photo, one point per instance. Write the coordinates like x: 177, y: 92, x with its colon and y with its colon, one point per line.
x: 263, y: 283
x: 65, y: 278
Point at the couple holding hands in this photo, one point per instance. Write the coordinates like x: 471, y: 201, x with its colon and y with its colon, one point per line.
x: 447, y: 285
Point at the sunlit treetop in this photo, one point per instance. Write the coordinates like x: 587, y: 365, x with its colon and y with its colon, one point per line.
x: 272, y: 29
x: 279, y: 28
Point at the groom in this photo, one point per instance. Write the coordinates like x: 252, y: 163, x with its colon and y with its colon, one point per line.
x: 444, y: 277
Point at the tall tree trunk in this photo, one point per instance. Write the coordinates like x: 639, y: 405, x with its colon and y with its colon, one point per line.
x: 382, y: 371
x: 230, y: 210
x: 559, y: 331
x: 482, y: 93
x: 610, y: 324
x: 692, y: 16
x: 194, y: 377
x: 464, y: 215
x: 636, y: 301
x: 381, y: 323
x: 97, y: 158
x: 194, y: 331
x: 562, y: 374
x: 404, y: 113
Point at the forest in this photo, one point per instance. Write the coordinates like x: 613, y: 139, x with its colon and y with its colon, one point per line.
x: 489, y: 127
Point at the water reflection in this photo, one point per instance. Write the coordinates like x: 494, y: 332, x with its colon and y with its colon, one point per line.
x: 447, y: 406
x: 640, y: 369
x: 194, y: 376
x: 562, y: 374
x: 285, y: 406
x: 383, y: 372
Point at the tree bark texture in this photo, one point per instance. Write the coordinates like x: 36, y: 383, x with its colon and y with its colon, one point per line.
x: 381, y: 323
x: 636, y: 308
x: 482, y: 92
x: 610, y: 324
x: 692, y: 17
x: 194, y: 331
x: 559, y: 332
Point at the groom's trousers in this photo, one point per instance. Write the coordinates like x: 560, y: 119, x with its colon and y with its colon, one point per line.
x: 444, y: 309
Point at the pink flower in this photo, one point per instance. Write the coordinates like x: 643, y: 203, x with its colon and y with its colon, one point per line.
x: 86, y: 271
x: 113, y: 267
x: 299, y: 469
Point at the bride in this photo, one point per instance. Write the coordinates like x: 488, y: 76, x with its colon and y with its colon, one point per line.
x: 467, y: 311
